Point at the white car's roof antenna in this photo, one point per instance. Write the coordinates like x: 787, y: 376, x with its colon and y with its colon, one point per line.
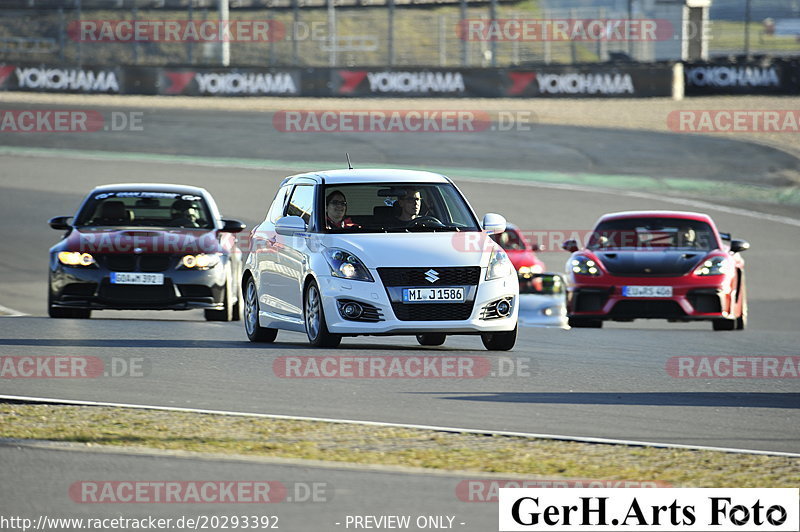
x: 349, y: 166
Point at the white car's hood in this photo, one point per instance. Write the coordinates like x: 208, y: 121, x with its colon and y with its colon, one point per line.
x: 415, y: 249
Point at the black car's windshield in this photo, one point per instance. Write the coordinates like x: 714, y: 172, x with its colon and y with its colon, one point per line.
x: 653, y: 233
x: 391, y: 207
x: 145, y: 209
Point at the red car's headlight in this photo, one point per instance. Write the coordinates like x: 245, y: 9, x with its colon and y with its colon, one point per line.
x: 714, y: 266
x: 585, y: 266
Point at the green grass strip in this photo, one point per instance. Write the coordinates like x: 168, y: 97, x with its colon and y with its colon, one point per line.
x: 335, y: 442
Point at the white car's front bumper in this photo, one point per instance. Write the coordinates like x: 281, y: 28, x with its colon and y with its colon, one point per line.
x: 334, y: 289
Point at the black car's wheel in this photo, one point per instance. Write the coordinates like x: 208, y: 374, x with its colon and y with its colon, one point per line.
x: 226, y: 314
x: 69, y: 313
x: 237, y: 310
x: 255, y: 332
x: 499, y: 341
x: 431, y: 338
x: 585, y: 323
x: 314, y: 316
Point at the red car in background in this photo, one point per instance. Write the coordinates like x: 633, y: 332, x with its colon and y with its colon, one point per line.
x: 657, y: 264
x: 521, y: 253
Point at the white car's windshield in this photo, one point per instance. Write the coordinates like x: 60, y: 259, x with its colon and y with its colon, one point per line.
x: 392, y: 207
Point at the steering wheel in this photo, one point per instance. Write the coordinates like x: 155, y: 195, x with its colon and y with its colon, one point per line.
x: 420, y: 220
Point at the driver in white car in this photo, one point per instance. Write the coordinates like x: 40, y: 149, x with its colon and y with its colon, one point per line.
x: 410, y: 205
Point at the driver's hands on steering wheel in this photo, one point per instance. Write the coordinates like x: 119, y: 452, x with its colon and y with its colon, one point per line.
x: 423, y: 219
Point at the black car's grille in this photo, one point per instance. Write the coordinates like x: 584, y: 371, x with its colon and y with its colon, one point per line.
x: 80, y: 289
x: 121, y: 262
x: 647, y: 309
x: 134, y: 294
x: 468, y: 276
x: 195, y: 290
x: 432, y: 311
x: 154, y: 263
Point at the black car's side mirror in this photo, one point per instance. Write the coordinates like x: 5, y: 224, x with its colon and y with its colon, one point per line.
x: 739, y: 245
x: 60, y: 223
x: 570, y: 245
x: 232, y: 226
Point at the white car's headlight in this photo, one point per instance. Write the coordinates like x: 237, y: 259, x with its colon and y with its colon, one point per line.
x: 499, y: 265
x: 201, y: 261
x: 713, y: 266
x: 346, y: 265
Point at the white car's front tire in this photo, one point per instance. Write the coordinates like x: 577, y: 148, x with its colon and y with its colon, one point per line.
x: 314, y: 317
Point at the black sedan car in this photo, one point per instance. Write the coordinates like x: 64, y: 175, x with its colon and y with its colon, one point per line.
x: 145, y: 246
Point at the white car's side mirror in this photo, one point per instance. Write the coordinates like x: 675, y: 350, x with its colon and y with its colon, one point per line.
x: 289, y: 225
x: 493, y: 224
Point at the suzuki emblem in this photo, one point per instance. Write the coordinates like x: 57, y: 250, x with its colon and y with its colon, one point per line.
x: 137, y: 250
x: 432, y: 275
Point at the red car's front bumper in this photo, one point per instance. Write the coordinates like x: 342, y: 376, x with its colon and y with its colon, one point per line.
x: 693, y: 298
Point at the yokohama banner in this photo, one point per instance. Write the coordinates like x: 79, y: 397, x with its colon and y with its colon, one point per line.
x: 552, y: 81
x: 775, y: 77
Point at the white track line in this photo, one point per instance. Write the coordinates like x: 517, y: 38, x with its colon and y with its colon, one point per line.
x: 398, y: 425
x: 6, y: 312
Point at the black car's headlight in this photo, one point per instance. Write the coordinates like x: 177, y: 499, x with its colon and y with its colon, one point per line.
x: 499, y: 265
x: 346, y: 265
x: 201, y: 261
x: 585, y: 266
x: 713, y: 266
x: 76, y: 258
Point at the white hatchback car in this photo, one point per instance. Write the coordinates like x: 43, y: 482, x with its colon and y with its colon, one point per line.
x: 378, y: 252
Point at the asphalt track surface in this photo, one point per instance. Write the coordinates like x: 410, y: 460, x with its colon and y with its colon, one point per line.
x: 608, y: 383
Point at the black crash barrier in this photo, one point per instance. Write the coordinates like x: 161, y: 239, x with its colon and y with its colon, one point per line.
x: 764, y: 76
x: 611, y: 80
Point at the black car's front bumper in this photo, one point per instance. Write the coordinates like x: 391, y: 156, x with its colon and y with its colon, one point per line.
x: 91, y: 288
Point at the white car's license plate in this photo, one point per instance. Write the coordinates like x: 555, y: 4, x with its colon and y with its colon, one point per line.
x: 137, y: 278
x: 647, y: 291
x: 438, y: 295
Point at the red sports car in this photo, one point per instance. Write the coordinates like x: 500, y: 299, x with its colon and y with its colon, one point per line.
x: 657, y: 264
x: 522, y: 256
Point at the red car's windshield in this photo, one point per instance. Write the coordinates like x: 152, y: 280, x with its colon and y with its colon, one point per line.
x: 653, y: 233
